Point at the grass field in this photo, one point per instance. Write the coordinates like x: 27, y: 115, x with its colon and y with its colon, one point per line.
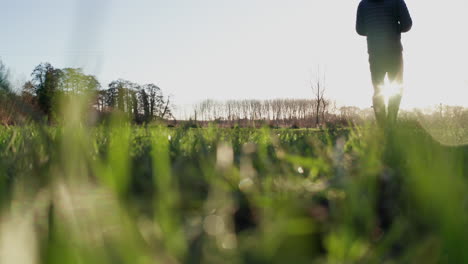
x: 128, y: 194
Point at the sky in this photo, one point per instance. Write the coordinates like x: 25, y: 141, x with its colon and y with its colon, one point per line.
x: 243, y: 49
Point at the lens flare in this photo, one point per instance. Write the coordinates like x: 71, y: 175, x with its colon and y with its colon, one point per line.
x: 390, y: 89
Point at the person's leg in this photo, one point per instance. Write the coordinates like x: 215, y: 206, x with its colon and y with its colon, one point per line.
x: 395, y: 75
x: 378, y: 76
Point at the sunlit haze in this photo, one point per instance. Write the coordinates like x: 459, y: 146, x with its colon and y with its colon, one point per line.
x: 242, y: 49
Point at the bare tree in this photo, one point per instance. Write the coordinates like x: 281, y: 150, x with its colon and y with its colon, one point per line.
x: 318, y: 89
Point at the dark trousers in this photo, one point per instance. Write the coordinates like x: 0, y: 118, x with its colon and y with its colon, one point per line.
x: 386, y: 64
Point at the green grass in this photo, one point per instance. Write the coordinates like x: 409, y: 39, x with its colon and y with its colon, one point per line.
x: 128, y: 194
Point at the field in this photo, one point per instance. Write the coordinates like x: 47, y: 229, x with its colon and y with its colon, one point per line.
x: 126, y: 194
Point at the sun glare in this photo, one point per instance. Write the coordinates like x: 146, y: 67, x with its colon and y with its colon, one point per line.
x: 390, y: 89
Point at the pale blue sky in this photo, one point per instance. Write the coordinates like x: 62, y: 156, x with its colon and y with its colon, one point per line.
x: 225, y: 49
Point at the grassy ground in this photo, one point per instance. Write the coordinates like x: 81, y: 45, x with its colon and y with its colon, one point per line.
x: 126, y: 194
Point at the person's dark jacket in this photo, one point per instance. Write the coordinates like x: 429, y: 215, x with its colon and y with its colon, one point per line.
x: 383, y: 21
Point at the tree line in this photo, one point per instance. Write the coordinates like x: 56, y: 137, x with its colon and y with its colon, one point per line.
x: 277, y: 112
x: 48, y: 85
x: 317, y: 111
x: 37, y: 99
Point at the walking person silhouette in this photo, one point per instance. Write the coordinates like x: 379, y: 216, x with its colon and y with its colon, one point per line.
x: 382, y: 22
